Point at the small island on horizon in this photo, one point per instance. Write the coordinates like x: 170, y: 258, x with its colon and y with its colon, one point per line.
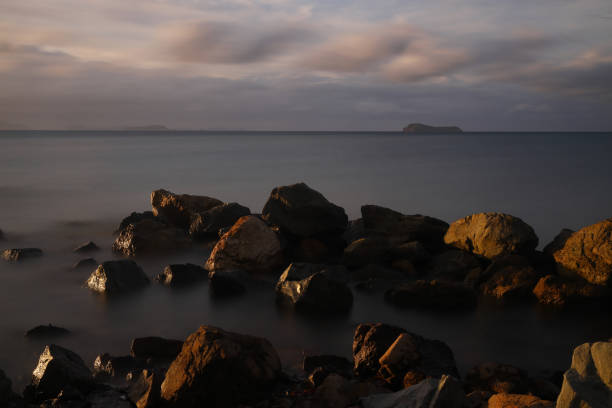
x: 422, y: 128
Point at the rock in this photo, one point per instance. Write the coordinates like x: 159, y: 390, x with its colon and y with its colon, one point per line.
x: 434, y: 294
x: 328, y: 364
x: 7, y: 396
x: 303, y: 212
x: 497, y: 378
x: 221, y: 369
x: 412, y: 377
x: 478, y: 399
x: 86, y: 247
x: 107, y: 398
x: 400, y: 228
x: 309, y: 250
x: 429, y: 393
x: 117, y: 276
x: 510, y: 277
x: 453, y: 265
x: 57, y: 367
x: 228, y: 283
x: 206, y: 225
x: 491, y: 235
x: 144, y: 391
x: 1, y: 235
x: 179, y: 209
x: 337, y: 391
x: 374, y: 272
x: 405, y: 267
x: 136, y: 217
x: 317, y: 293
x: 587, y: 253
x: 544, y: 388
x: 42, y: 332
x: 87, y: 263
x: 150, y: 237
x: 558, y: 242
x: 155, y: 347
x: 181, y: 275
x: 413, y: 251
x: 106, y: 366
x: 366, y: 251
x: 588, y: 382
x: 559, y: 291
x: 372, y: 340
x: 518, y: 401
x: 249, y: 245
x: 354, y: 231
x: 20, y: 254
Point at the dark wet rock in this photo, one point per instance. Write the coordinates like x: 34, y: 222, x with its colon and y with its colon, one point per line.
x: 249, y: 245
x: 413, y: 251
x: 86, y: 263
x: 518, y: 401
x: 364, y: 251
x: 155, y: 347
x: 86, y: 247
x: 303, y: 212
x: 43, y: 332
x: 510, y: 277
x: 179, y: 209
x: 453, y: 265
x: 57, y: 368
x: 405, y: 267
x: 325, y: 365
x: 309, y: 250
x: 337, y: 391
x: 558, y: 291
x: 558, y: 241
x: 20, y: 254
x: 354, y: 231
x: 107, y: 397
x: 136, y: 217
x: 7, y: 397
x: 435, y: 294
x: 309, y: 291
x: 544, y: 388
x: 587, y: 253
x: 478, y: 399
x: 400, y: 228
x: 372, y: 341
x: 117, y: 276
x: 445, y: 392
x: 150, y: 237
x: 413, y: 377
x: 497, y: 378
x: 492, y: 235
x: 221, y: 369
x: 228, y: 283
x: 144, y: 391
x: 181, y: 275
x: 106, y: 366
x: 206, y: 225
x: 1, y: 235
x: 588, y: 382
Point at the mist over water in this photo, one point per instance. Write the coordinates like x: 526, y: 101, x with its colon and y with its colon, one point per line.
x: 59, y: 189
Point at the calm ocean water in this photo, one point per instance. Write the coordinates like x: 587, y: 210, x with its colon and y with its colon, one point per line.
x: 58, y: 189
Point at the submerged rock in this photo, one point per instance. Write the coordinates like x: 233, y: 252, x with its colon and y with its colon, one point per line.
x: 86, y: 247
x: 433, y: 294
x: 41, y: 332
x: 221, y: 369
x: 117, y: 276
x: 303, y: 212
x: 150, y: 237
x: 206, y: 225
x: 249, y: 245
x: 587, y: 253
x: 559, y: 291
x: 87, y: 263
x: 181, y: 275
x: 155, y: 347
x: 20, y: 254
x: 178, y: 209
x: 491, y: 235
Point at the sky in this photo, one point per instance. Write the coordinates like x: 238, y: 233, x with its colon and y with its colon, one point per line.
x: 520, y: 65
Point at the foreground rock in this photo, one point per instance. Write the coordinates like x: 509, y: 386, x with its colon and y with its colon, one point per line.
x: 311, y: 288
x: 57, y: 368
x: 181, y: 275
x: 150, y: 237
x: 144, y: 390
x: 303, y: 212
x: 206, y: 225
x: 491, y: 235
x: 86, y: 247
x: 178, y: 209
x: 338, y: 391
x: 249, y: 245
x: 433, y: 294
x: 496, y: 378
x: 42, y: 332
x: 587, y: 253
x: 518, y: 401
x: 117, y: 276
x: 560, y: 291
x: 588, y: 382
x: 20, y: 254
x: 221, y: 369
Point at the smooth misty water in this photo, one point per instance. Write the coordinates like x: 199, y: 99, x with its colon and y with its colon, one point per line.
x: 58, y: 189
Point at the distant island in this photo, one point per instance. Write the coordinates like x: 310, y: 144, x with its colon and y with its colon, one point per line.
x: 421, y: 128
x: 147, y: 127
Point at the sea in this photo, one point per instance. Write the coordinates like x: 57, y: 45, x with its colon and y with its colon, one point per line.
x: 59, y: 189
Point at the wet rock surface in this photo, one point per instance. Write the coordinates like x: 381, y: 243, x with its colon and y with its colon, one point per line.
x: 150, y: 237
x: 20, y: 254
x: 117, y: 276
x: 206, y: 225
x: 177, y: 275
x: 136, y: 217
x: 179, y: 209
x: 557, y: 290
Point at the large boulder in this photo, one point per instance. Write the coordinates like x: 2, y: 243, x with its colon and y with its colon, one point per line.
x: 178, y: 209
x: 117, y: 276
x: 491, y: 235
x: 588, y: 382
x: 19, y: 254
x: 365, y: 251
x: 176, y: 275
x: 587, y: 253
x: 559, y: 291
x: 453, y: 265
x: 510, y: 277
x: 400, y: 228
x: 311, y: 288
x: 150, y: 237
x: 518, y: 401
x: 434, y: 294
x: 220, y: 369
x: 136, y: 217
x: 249, y: 245
x: 57, y: 368
x: 206, y: 225
x: 303, y: 212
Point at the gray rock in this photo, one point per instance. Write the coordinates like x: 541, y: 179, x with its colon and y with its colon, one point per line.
x: 181, y: 275
x: 20, y: 254
x: 207, y: 224
x: 117, y: 276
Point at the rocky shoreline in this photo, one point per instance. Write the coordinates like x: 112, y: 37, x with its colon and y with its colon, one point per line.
x: 315, y: 257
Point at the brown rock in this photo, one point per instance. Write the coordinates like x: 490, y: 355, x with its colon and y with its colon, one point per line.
x: 150, y: 237
x: 365, y: 251
x: 497, y: 378
x: 310, y: 250
x: 510, y: 277
x: 405, y: 267
x: 453, y: 265
x: 558, y: 242
x: 413, y: 377
x: 207, y: 224
x: 518, y: 401
x: 559, y: 291
x: 20, y: 254
x: 144, y: 391
x: 178, y: 209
